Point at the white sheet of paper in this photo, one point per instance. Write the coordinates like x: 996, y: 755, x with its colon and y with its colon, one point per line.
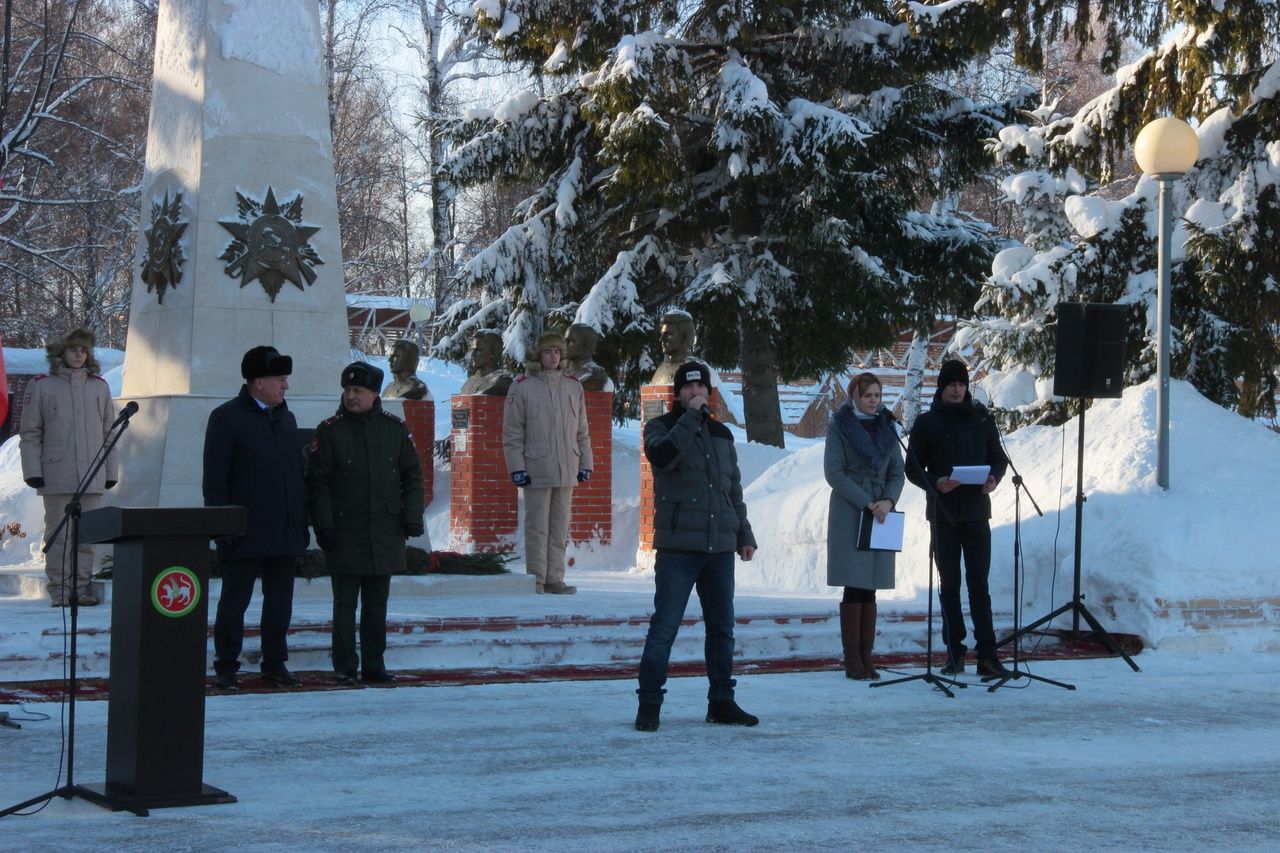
x: 971, y: 475
x: 888, y: 536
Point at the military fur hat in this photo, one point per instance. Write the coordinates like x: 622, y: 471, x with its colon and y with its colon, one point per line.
x: 364, y: 375
x: 550, y: 340
x: 692, y: 371
x: 264, y: 361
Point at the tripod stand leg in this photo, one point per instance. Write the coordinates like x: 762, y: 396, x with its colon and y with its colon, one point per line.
x: 1106, y: 636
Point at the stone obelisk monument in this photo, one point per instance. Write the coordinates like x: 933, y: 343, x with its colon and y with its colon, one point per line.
x: 239, y: 233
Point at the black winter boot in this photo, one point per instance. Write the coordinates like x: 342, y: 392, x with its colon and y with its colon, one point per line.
x: 647, y: 717
x: 991, y: 668
x: 727, y: 713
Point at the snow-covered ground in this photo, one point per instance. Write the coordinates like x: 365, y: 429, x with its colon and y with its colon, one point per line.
x: 1182, y: 756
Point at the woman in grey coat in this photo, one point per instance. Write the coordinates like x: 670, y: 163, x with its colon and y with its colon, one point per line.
x: 863, y: 466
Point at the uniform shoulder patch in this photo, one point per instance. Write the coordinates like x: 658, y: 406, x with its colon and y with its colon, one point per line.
x: 98, y: 377
x: 574, y: 378
x: 332, y: 419
x: 522, y: 377
x: 38, y: 377
x: 395, y: 418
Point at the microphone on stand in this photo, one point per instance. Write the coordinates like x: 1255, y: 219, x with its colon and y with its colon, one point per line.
x: 130, y: 409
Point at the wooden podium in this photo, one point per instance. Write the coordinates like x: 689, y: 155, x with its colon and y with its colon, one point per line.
x: 159, y: 646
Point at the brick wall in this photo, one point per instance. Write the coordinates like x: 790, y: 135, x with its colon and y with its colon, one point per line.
x: 592, y: 514
x: 420, y: 417
x: 482, y: 502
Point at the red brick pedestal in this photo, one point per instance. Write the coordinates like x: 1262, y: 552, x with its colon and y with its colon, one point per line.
x: 592, y: 515
x: 420, y: 417
x: 483, y: 511
x: 655, y: 401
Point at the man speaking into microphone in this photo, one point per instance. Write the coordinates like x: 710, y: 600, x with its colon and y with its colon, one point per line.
x: 699, y: 522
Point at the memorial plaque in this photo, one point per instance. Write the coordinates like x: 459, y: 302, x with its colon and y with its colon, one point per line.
x: 461, y: 418
x: 651, y: 409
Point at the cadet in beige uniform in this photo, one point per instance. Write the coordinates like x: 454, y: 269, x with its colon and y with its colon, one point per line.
x: 66, y: 415
x: 548, y: 450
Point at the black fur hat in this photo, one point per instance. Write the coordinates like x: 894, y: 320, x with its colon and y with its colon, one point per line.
x: 264, y: 361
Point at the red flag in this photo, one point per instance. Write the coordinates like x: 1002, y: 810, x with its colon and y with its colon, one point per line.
x: 4, y: 385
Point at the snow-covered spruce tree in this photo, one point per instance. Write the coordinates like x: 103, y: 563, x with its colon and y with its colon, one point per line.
x: 765, y: 165
x: 1218, y: 69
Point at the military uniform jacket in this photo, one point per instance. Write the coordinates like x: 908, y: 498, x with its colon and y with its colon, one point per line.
x: 253, y: 458
x: 544, y: 429
x: 65, y: 418
x: 364, y: 482
x: 697, y: 487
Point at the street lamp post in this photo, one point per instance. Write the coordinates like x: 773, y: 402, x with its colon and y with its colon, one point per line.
x: 418, y: 312
x: 1165, y: 149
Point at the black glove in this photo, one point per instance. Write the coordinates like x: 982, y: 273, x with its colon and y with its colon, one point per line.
x: 521, y: 478
x: 110, y: 484
x: 584, y: 474
x: 411, y: 530
x: 326, y: 538
x: 35, y: 482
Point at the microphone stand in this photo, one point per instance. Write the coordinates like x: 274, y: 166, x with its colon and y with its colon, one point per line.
x: 927, y: 676
x: 71, y: 516
x: 1018, y: 488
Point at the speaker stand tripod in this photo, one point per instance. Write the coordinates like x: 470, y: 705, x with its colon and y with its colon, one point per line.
x: 1076, y: 605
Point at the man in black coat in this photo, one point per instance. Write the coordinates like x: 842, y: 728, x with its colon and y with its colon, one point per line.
x: 253, y: 458
x: 364, y: 491
x: 958, y: 431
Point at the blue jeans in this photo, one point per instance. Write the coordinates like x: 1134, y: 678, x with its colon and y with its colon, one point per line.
x: 676, y: 573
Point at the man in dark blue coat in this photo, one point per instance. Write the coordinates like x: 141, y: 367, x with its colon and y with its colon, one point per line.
x: 253, y: 458
x: 958, y: 431
x: 699, y: 523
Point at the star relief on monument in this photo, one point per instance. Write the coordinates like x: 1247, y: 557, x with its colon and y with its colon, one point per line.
x: 270, y: 244
x: 162, y: 267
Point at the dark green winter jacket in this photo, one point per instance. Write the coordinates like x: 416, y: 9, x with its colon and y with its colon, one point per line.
x: 697, y: 487
x: 364, y: 482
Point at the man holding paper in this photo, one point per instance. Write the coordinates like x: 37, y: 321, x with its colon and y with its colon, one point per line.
x: 863, y: 465
x: 950, y: 446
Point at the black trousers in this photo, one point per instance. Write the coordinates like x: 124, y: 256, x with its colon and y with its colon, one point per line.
x: 972, y: 539
x: 238, y: 577
x: 349, y: 590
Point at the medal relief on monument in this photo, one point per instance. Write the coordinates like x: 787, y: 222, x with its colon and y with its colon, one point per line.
x: 162, y: 267
x: 270, y: 244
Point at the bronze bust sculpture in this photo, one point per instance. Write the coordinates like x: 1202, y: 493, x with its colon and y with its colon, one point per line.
x: 676, y: 339
x: 580, y: 346
x: 485, y: 374
x: 404, y: 369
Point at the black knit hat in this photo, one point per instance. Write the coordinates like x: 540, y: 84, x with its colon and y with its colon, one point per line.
x: 691, y: 371
x: 264, y: 361
x: 952, y: 371
x: 363, y: 374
